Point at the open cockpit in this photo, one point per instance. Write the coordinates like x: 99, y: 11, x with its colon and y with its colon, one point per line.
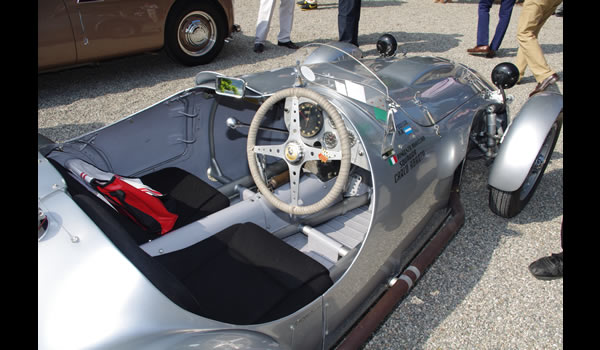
x: 192, y: 148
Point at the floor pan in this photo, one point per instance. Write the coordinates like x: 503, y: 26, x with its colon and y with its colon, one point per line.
x: 348, y: 229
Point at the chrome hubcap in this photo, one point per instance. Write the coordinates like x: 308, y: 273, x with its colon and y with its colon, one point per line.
x: 197, y: 33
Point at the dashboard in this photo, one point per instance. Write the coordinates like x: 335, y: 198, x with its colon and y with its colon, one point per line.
x: 318, y: 130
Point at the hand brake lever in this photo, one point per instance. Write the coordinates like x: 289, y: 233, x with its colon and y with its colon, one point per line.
x: 233, y: 123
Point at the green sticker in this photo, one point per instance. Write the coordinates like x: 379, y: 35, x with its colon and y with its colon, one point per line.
x: 380, y: 114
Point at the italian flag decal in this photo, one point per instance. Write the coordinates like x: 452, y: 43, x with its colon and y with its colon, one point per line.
x: 393, y: 160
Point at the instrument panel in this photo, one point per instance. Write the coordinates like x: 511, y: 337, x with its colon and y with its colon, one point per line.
x: 318, y: 130
x: 317, y: 126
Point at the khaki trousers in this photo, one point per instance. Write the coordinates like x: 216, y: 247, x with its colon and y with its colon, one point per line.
x: 533, y: 16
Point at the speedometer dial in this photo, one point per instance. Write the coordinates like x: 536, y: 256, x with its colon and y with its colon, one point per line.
x: 311, y: 119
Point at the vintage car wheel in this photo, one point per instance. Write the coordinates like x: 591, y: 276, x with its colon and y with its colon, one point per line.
x: 195, y: 32
x: 509, y: 204
x: 295, y: 152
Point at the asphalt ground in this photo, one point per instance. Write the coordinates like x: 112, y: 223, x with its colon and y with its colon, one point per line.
x: 479, y: 293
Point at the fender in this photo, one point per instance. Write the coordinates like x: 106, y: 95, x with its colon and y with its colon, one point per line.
x: 523, y: 140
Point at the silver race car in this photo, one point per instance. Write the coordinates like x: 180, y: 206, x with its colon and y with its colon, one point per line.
x: 289, y: 209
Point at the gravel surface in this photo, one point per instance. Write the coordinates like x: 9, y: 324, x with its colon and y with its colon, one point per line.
x: 479, y: 292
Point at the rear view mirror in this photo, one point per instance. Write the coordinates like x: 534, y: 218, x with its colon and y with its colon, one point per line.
x: 230, y: 87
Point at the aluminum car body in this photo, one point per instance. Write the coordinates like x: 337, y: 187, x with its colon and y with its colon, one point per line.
x: 406, y: 162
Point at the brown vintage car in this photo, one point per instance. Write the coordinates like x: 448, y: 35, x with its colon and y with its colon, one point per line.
x: 72, y: 32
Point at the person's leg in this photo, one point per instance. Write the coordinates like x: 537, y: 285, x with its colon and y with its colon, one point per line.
x: 263, y: 22
x: 286, y: 20
x: 356, y: 15
x: 530, y: 54
x: 549, y: 267
x: 483, y: 22
x: 348, y: 18
x: 504, y: 15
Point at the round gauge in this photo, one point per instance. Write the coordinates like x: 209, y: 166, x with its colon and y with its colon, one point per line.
x: 311, y: 119
x: 331, y: 123
x: 329, y: 139
x: 351, y: 137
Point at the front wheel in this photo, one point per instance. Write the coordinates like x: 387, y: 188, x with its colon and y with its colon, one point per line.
x: 195, y: 32
x: 509, y: 204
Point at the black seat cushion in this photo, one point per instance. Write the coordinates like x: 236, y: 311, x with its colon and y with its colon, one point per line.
x: 245, y: 275
x: 191, y: 198
x: 241, y: 275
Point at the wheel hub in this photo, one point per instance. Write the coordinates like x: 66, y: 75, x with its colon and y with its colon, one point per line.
x: 197, y: 33
x: 539, y: 163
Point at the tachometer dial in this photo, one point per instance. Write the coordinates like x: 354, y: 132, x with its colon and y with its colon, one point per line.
x: 311, y: 119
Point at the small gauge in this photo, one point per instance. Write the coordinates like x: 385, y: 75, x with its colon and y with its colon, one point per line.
x: 351, y: 138
x: 329, y: 139
x: 331, y: 123
x: 311, y: 119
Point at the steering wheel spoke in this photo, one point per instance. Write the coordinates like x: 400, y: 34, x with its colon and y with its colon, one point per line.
x: 321, y: 154
x: 294, y: 119
x: 270, y: 150
x: 295, y: 172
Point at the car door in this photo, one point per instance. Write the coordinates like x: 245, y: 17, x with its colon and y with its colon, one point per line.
x: 56, y: 44
x: 112, y: 28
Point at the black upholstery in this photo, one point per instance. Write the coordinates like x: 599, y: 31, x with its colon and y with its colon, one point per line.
x: 193, y: 198
x: 241, y: 275
x: 187, y: 196
x: 245, y: 275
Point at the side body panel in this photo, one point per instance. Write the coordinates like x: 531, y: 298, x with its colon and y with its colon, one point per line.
x: 111, y: 28
x: 228, y: 8
x: 407, y: 194
x: 56, y: 44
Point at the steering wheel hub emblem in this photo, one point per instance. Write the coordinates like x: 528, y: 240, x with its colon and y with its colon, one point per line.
x: 293, y: 152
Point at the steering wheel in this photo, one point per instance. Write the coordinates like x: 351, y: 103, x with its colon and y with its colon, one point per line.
x: 295, y: 152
